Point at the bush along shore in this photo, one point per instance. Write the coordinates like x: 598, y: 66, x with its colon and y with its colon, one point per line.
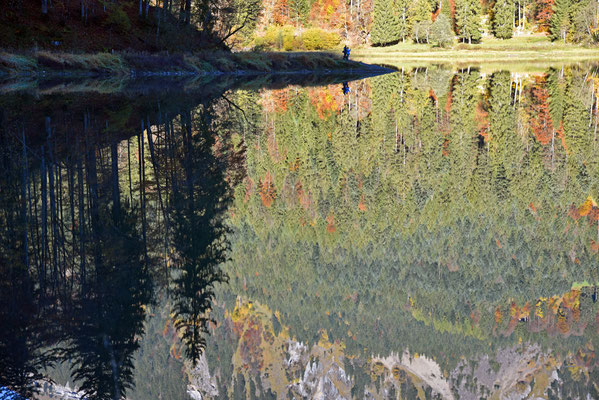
x: 46, y: 63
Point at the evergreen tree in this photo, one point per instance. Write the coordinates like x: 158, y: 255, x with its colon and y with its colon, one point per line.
x: 502, y: 128
x: 299, y: 10
x: 559, y: 25
x: 503, y: 14
x: 385, y: 28
x: 446, y: 9
x: 421, y: 19
x: 467, y: 20
x: 441, y: 32
x: 404, y: 25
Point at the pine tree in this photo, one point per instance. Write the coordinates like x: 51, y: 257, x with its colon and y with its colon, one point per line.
x: 467, y: 20
x: 404, y: 26
x: 503, y: 14
x: 560, y: 20
x: 502, y: 128
x: 299, y: 10
x: 446, y: 9
x: 420, y: 11
x: 385, y: 29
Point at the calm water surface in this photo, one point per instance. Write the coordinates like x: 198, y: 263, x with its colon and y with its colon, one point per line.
x: 429, y: 233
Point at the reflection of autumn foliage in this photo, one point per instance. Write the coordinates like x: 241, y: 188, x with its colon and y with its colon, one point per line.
x: 275, y: 100
x: 267, y: 190
x: 555, y: 315
x: 169, y: 333
x: 540, y: 117
x: 324, y: 102
x: 481, y: 117
x: 362, y: 204
x: 249, y: 189
x: 303, y: 197
x: 330, y: 224
x: 249, y: 345
x: 589, y: 210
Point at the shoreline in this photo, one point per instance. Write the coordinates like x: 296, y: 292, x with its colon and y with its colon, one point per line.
x: 518, y: 50
x: 45, y: 64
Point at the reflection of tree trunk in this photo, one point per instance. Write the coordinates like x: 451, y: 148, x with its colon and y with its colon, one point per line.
x: 92, y: 181
x: 81, y: 221
x: 142, y: 190
x: 163, y: 211
x: 114, y: 365
x: 44, y: 196
x: 24, y: 185
x: 116, y: 196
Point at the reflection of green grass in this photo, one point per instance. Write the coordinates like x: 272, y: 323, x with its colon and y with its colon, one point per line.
x: 528, y: 53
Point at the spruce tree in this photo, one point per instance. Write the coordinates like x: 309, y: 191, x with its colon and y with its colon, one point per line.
x: 402, y: 10
x: 299, y: 10
x: 446, y: 9
x: 385, y: 25
x: 467, y: 20
x: 560, y: 20
x: 503, y: 14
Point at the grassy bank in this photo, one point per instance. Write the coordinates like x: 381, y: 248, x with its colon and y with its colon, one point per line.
x: 45, y: 63
x: 532, y: 50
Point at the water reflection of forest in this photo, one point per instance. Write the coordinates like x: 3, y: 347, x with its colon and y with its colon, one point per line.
x: 426, y: 210
x: 108, y: 202
x: 446, y: 214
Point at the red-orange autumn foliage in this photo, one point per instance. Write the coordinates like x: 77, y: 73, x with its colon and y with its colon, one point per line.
x: 330, y: 224
x: 249, y: 189
x: 481, y: 116
x: 544, y: 11
x: 560, y: 134
x: 275, y: 100
x: 330, y: 13
x: 587, y: 209
x: 532, y: 208
x: 267, y: 190
x: 362, y: 204
x: 281, y: 12
x: 324, y: 102
x: 540, y: 117
x: 303, y: 197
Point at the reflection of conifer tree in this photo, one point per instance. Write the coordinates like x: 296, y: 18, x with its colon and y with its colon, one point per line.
x: 502, y: 129
x: 109, y: 315
x: 26, y: 334
x: 199, y: 201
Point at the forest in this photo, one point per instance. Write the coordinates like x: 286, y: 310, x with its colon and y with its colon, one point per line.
x: 99, y: 228
x: 194, y: 25
x: 460, y: 203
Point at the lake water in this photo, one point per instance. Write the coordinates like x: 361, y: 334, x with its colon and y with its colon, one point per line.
x: 428, y: 233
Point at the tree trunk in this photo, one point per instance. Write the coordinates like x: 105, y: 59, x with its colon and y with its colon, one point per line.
x: 187, y: 12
